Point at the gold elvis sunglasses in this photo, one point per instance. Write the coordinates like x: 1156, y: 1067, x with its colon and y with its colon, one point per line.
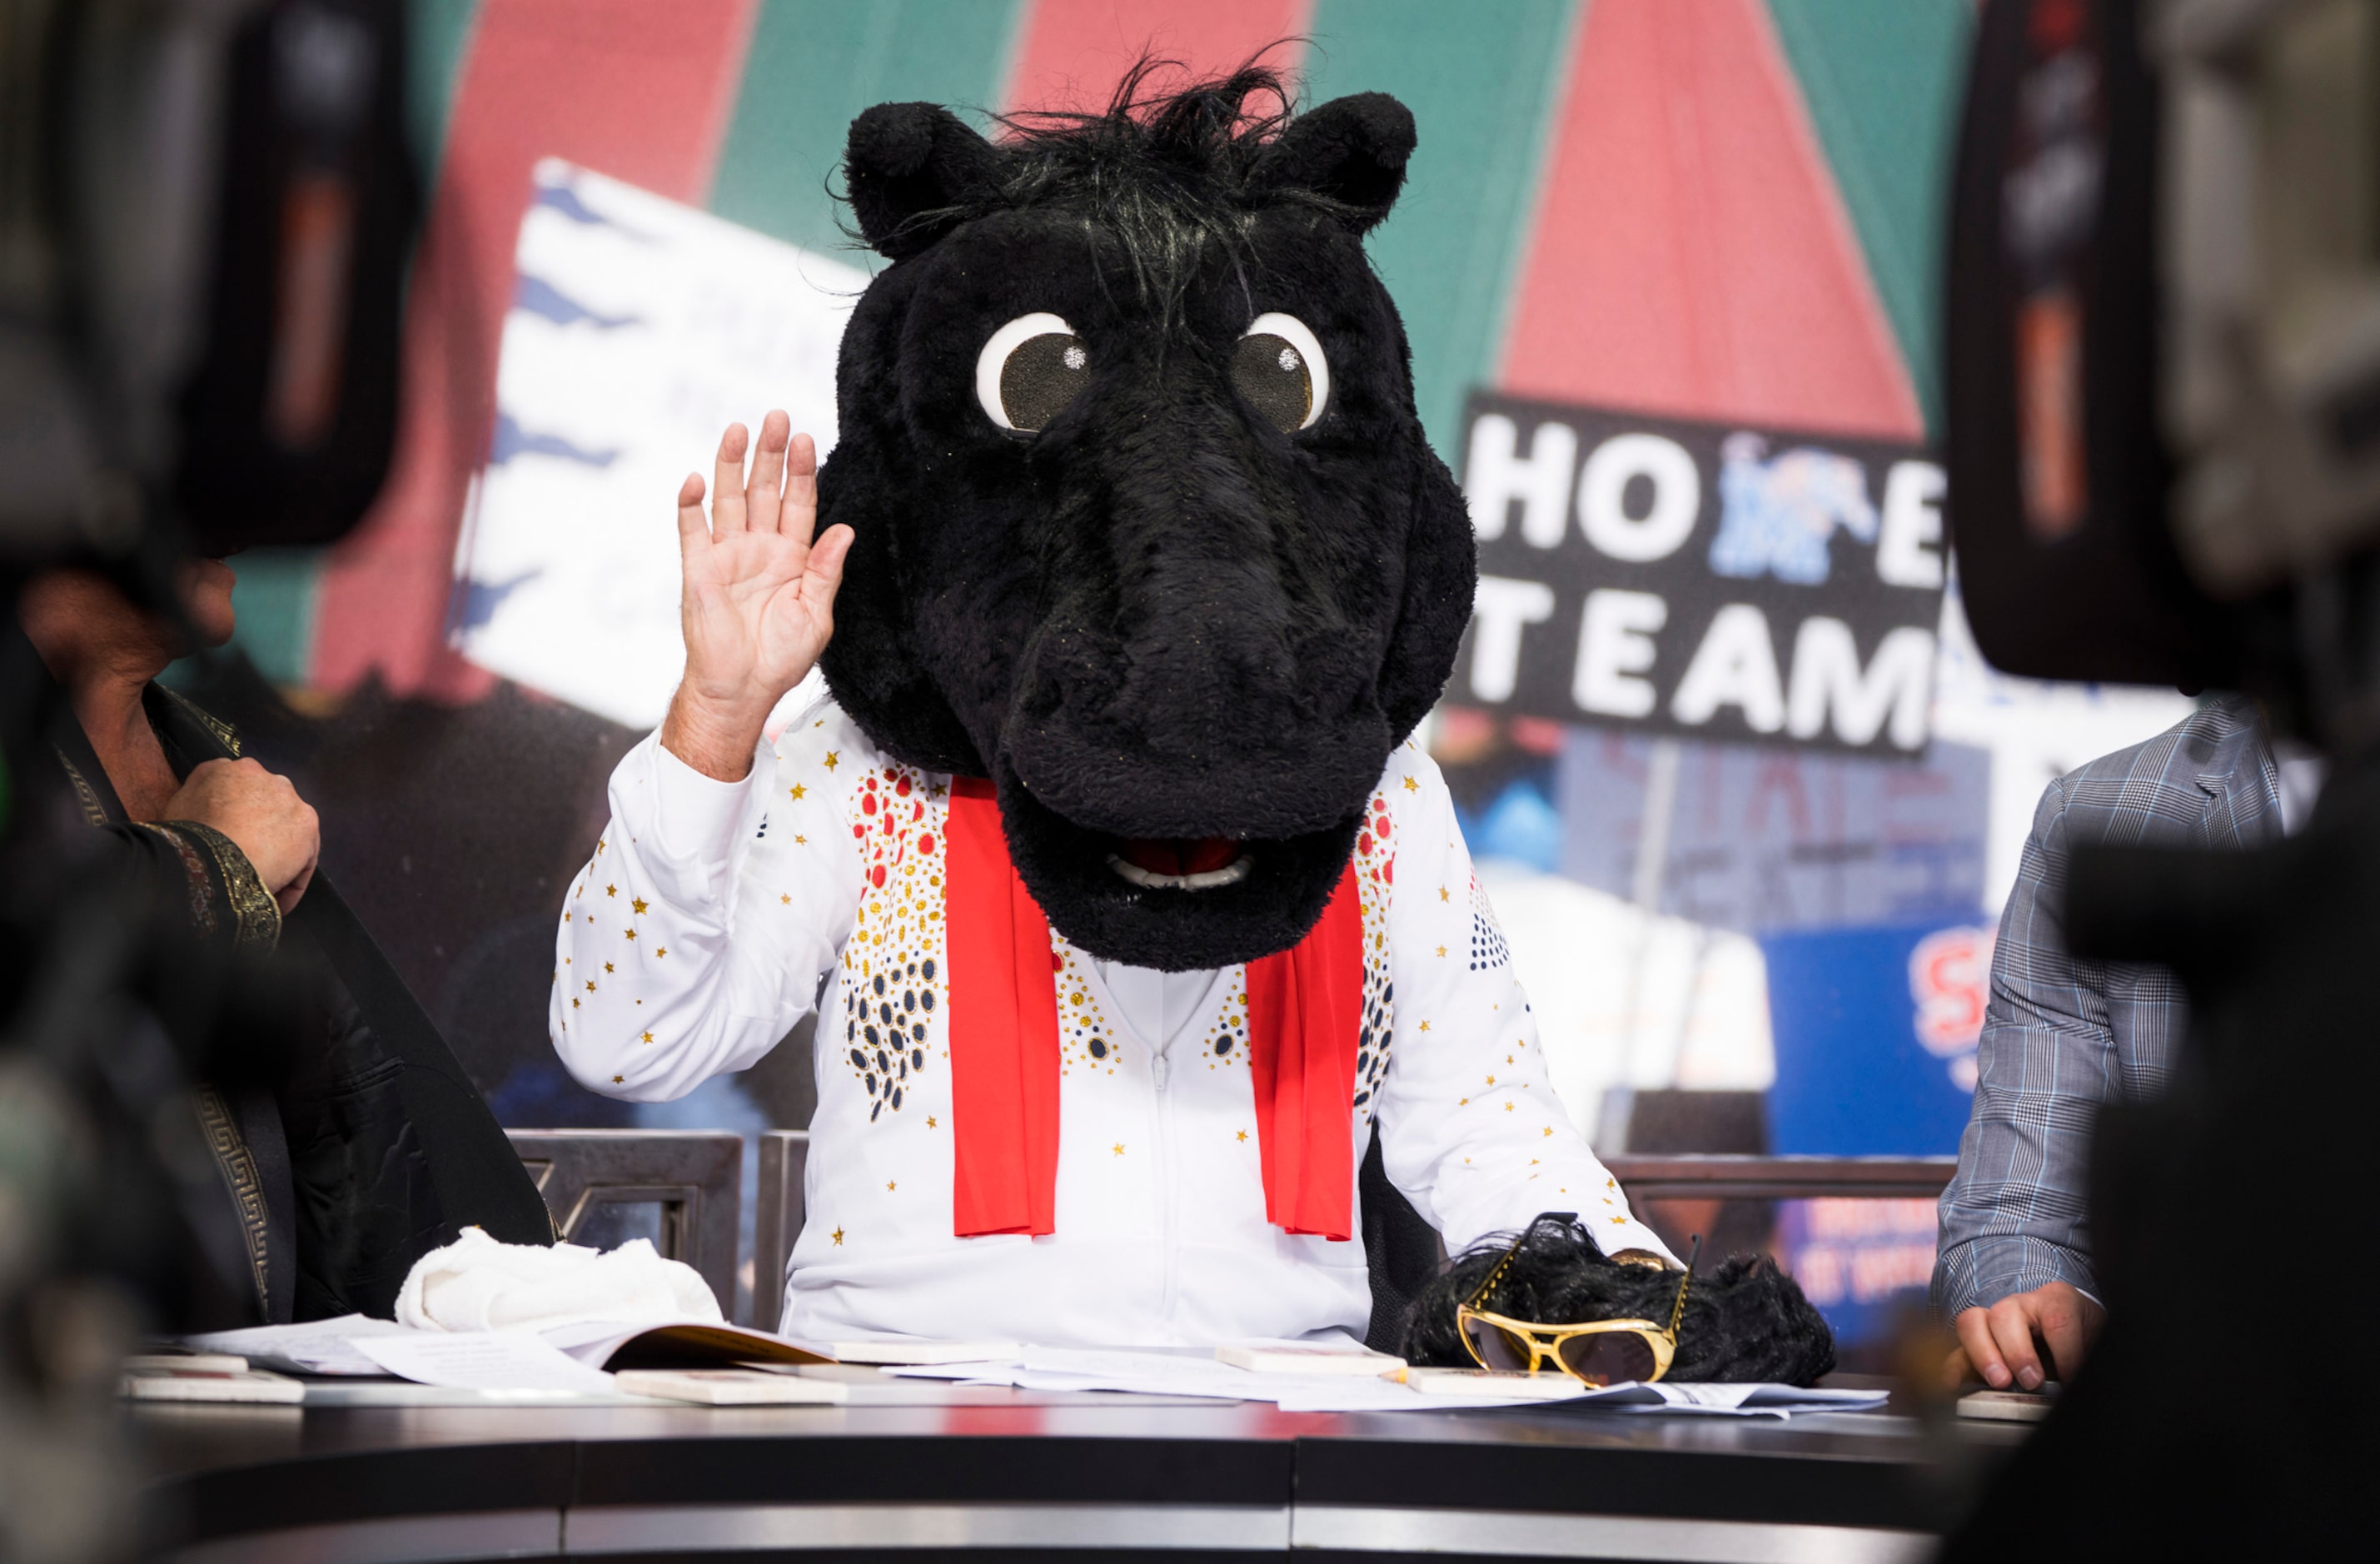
x: 1599, y: 1352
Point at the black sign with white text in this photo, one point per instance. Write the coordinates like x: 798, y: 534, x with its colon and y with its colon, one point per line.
x: 1710, y: 581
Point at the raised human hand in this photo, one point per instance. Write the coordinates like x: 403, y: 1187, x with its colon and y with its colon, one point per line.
x: 758, y: 605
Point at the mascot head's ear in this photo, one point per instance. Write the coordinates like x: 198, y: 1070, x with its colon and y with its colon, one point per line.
x: 912, y: 170
x: 1351, y: 151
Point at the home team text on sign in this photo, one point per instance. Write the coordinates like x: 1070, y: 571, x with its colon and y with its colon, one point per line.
x: 1703, y: 579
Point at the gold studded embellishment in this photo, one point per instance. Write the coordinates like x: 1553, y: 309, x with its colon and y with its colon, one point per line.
x: 893, y: 981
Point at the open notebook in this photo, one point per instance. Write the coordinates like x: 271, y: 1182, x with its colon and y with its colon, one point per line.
x: 680, y: 1344
x: 327, y: 1345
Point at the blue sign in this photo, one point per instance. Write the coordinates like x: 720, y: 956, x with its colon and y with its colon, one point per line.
x: 1876, y: 1033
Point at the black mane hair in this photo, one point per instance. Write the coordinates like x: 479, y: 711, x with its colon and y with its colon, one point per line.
x: 1746, y: 1320
x: 1159, y: 175
x: 1163, y: 174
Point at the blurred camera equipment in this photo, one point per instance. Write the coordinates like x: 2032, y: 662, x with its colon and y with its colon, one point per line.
x: 2164, y: 398
x: 206, y: 210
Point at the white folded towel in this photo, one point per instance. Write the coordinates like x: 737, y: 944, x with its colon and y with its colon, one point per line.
x: 476, y: 1283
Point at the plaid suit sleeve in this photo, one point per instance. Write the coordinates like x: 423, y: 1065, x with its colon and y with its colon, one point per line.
x: 2063, y: 1037
x: 2014, y: 1215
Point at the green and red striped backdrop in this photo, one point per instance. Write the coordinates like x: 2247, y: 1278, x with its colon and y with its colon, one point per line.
x: 1723, y: 209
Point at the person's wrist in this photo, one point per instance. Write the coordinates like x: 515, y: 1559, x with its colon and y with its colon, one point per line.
x: 715, y: 737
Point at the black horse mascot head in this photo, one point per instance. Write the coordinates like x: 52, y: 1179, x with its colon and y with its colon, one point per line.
x: 1146, y: 529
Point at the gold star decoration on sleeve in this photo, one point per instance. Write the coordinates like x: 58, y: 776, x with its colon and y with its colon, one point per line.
x: 607, y: 966
x: 889, y: 1186
x: 797, y: 791
x: 837, y: 1235
x: 1119, y: 1148
x: 632, y: 934
x: 619, y: 1080
x: 637, y: 904
x: 647, y: 1036
x: 1243, y: 1135
x: 929, y: 1121
x: 1441, y: 894
x: 590, y: 985
x: 785, y: 900
x: 598, y: 846
x: 832, y: 759
x: 610, y: 891
x: 661, y: 950
x: 1441, y: 951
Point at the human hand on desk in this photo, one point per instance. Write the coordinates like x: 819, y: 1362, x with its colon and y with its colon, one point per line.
x: 1996, y: 1344
x: 758, y: 605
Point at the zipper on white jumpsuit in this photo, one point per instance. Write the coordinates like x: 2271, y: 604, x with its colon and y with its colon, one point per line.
x: 1167, y: 1191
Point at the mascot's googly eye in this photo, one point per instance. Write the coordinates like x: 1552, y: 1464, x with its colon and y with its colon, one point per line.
x: 1280, y: 369
x: 1029, y: 371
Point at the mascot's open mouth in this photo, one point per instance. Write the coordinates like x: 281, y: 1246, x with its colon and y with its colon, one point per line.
x: 1178, y: 904
x: 1182, y: 864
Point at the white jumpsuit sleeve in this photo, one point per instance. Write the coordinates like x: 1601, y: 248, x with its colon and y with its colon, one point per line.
x: 1470, y: 1129
x: 693, y: 940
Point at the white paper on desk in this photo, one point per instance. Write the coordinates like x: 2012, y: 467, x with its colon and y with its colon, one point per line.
x: 1185, y: 1373
x: 1727, y: 1400
x: 965, y: 1373
x: 1387, y: 1395
x: 1056, y: 1368
x: 489, y: 1359
x: 1165, y: 1374
x: 322, y: 1346
x: 909, y: 1351
x: 592, y: 1341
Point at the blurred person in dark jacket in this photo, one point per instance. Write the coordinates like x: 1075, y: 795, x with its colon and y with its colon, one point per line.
x: 366, y: 1145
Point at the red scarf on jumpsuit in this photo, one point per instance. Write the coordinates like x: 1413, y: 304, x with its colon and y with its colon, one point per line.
x: 1305, y: 1011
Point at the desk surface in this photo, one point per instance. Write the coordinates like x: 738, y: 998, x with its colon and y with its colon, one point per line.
x: 452, y: 1482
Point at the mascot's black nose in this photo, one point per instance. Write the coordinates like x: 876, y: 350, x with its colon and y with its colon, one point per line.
x: 1204, y: 673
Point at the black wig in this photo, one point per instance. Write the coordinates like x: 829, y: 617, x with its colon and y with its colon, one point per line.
x: 1746, y: 1320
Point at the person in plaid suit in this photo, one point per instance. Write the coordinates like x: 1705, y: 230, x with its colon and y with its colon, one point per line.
x: 2062, y: 1036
